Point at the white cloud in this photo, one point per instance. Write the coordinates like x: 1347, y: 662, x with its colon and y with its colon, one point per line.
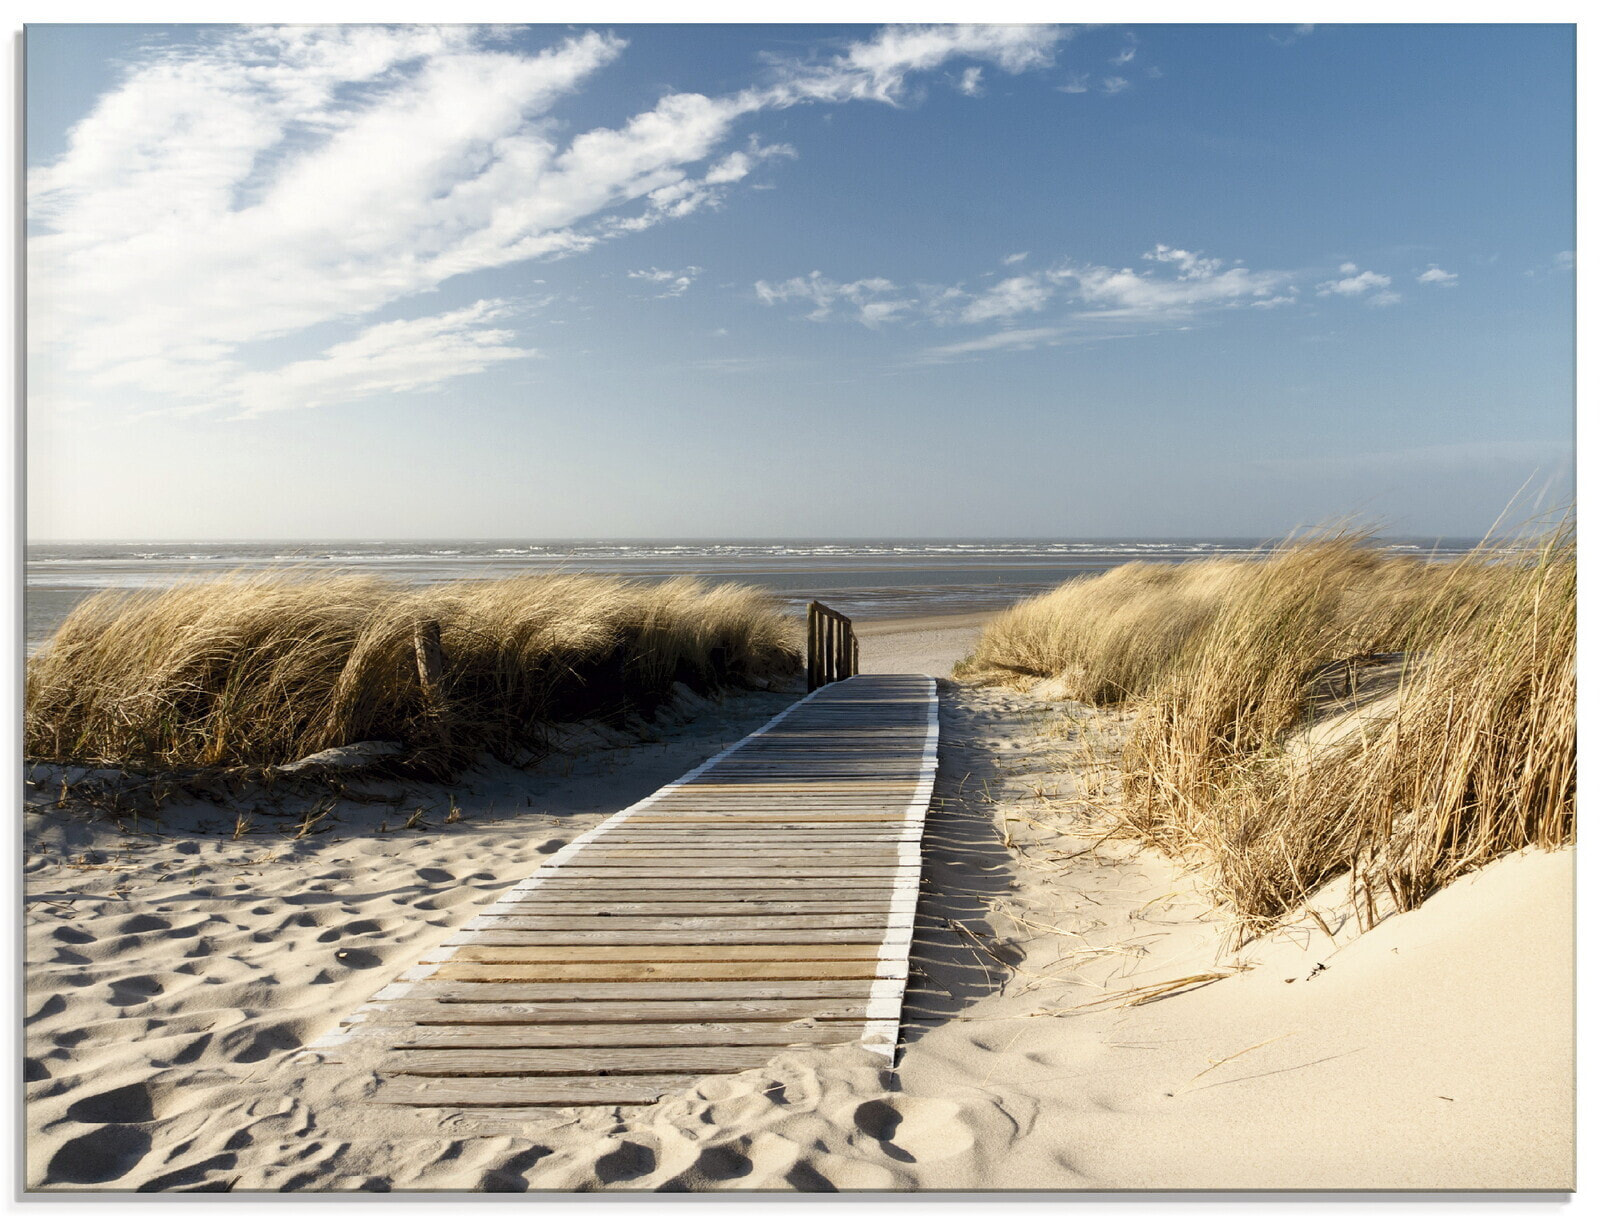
x: 971, y: 82
x: 1005, y: 339
x: 1113, y: 85
x: 1200, y: 283
x: 1008, y: 298
x: 674, y: 282
x: 877, y: 69
x: 1561, y: 263
x: 1126, y: 54
x: 1357, y: 283
x: 394, y: 357
x: 1077, y: 82
x: 1294, y: 34
x: 1443, y: 278
x: 259, y: 182
x: 1179, y: 285
x: 874, y: 300
x: 1011, y: 259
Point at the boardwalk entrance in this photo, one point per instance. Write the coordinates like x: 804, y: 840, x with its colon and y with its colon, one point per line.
x: 762, y: 901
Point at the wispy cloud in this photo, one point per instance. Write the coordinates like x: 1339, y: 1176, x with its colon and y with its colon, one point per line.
x: 1176, y: 286
x: 1198, y: 283
x: 1562, y: 263
x: 1363, y: 284
x: 1293, y: 35
x: 1080, y: 301
x: 394, y: 357
x: 673, y: 282
x: 1008, y: 298
x: 207, y: 202
x: 874, y: 301
x: 1113, y: 85
x: 1440, y: 278
x: 1005, y: 339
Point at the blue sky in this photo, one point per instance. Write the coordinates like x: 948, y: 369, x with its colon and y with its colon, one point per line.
x: 796, y: 280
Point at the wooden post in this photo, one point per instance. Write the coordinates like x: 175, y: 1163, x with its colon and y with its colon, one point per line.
x: 811, y: 647
x: 430, y: 657
x: 430, y: 673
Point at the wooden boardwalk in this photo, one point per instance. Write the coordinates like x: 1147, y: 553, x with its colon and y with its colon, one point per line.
x: 762, y: 901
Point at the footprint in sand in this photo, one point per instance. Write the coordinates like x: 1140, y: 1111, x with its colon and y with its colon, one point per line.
x: 134, y: 991
x: 103, y: 1155
x: 629, y: 1160
x: 914, y: 1129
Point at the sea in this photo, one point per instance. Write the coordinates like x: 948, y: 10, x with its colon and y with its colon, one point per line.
x: 866, y: 579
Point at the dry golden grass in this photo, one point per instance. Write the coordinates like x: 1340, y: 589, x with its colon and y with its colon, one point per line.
x: 254, y: 670
x: 1473, y: 757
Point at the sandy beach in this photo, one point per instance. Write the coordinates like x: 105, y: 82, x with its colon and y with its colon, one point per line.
x: 1075, y: 1017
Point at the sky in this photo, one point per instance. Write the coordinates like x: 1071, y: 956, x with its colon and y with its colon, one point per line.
x: 783, y: 281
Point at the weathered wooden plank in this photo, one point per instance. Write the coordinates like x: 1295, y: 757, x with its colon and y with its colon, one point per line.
x: 636, y: 891
x: 839, y: 923
x: 751, y: 873
x: 652, y: 938
x: 598, y: 882
x: 637, y: 1034
x: 571, y: 1062
x: 598, y: 1013
x: 599, y: 992
x: 705, y: 907
x: 859, y: 852
x: 652, y: 953
x: 647, y: 972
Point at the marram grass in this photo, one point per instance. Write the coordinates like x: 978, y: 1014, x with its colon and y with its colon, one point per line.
x: 1473, y: 756
x: 256, y: 670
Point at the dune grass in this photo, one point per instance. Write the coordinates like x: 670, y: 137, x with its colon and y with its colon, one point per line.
x: 1475, y: 755
x: 257, y: 670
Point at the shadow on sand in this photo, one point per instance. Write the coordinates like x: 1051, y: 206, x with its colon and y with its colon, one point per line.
x: 955, y: 959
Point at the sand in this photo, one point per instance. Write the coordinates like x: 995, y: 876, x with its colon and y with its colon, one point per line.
x: 175, y: 979
x: 919, y: 645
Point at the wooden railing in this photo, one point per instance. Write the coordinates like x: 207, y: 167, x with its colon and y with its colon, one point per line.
x: 832, y: 651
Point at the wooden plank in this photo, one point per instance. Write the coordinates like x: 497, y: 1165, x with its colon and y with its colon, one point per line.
x: 654, y: 938
x: 860, y: 852
x: 648, y: 972
x: 534, y: 904
x: 706, y: 907
x: 638, y: 891
x: 688, y: 1062
x: 841, y: 923
x: 637, y: 1034
x: 652, y: 953
x: 601, y: 991
x: 594, y: 1013
x: 816, y: 886
x: 851, y: 864
x: 747, y: 873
